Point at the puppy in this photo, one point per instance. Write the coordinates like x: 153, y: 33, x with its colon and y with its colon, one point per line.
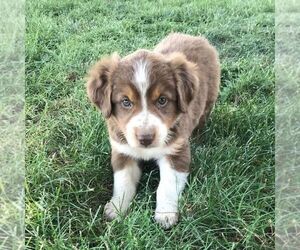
x: 152, y: 101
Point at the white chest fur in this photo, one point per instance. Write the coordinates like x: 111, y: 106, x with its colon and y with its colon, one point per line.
x: 142, y: 153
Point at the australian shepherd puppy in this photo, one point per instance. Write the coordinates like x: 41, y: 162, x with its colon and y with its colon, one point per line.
x: 152, y: 101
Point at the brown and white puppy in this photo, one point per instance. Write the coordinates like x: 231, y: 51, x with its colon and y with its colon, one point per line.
x: 152, y: 101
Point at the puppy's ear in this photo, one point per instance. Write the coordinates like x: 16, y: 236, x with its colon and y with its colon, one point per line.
x: 99, y: 87
x: 185, y: 73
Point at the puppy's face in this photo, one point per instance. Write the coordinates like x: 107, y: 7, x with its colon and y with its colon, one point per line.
x: 144, y: 93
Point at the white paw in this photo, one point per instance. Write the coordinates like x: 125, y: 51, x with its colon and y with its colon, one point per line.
x: 110, y: 211
x: 166, y: 220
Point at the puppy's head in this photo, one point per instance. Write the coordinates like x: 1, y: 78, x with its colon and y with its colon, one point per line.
x: 144, y: 93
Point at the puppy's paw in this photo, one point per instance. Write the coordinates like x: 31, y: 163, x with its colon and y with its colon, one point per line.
x: 110, y: 211
x: 166, y: 220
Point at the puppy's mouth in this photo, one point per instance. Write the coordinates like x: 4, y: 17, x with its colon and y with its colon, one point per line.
x: 144, y: 149
x: 145, y: 144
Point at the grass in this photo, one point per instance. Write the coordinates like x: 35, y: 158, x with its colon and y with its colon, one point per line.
x: 229, y: 201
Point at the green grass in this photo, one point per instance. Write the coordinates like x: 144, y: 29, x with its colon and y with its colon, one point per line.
x: 229, y: 201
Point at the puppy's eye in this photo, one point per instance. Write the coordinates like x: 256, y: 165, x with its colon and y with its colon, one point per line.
x: 162, y: 101
x: 126, y: 103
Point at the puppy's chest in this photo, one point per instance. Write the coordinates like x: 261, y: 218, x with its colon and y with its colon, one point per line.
x: 141, y: 153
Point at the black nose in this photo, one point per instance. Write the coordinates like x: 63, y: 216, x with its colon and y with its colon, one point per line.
x: 146, y: 139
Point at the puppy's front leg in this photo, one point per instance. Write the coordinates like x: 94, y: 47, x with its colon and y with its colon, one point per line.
x: 171, y: 185
x: 126, y: 176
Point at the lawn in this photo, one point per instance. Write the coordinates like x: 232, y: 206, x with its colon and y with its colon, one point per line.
x: 229, y: 201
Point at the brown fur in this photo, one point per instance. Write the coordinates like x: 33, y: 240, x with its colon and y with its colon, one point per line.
x: 182, y: 159
x: 196, y: 50
x: 119, y: 161
x: 99, y: 86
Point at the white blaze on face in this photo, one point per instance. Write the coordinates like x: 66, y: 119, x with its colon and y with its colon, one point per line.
x: 144, y: 120
x: 141, y: 79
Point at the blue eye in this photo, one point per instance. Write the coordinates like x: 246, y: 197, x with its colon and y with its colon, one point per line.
x: 162, y: 101
x: 126, y: 103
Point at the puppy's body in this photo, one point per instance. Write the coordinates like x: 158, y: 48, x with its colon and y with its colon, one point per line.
x: 152, y: 101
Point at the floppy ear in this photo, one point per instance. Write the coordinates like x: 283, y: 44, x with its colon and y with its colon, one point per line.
x: 99, y: 85
x: 185, y: 73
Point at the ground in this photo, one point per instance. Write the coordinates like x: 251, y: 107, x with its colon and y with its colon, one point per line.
x: 229, y: 201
